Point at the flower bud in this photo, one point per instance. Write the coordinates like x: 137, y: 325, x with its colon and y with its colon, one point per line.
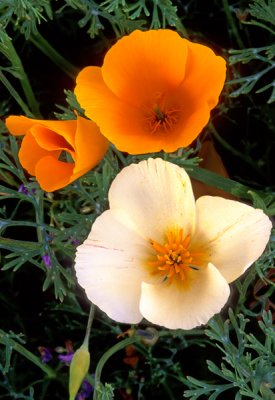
x: 78, y: 369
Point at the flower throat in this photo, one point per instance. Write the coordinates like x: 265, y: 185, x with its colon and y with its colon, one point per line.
x: 160, y: 117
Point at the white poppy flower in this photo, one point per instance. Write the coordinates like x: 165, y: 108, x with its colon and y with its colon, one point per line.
x: 158, y: 254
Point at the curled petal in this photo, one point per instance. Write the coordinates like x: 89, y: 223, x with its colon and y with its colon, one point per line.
x: 53, y: 174
x: 18, y: 125
x: 50, y: 140
x: 157, y: 194
x: 232, y: 234
x: 187, y: 307
x: 45, y: 141
x: 90, y: 146
x: 30, y: 153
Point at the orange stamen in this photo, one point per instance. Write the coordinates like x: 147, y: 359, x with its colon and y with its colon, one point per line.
x: 174, y: 259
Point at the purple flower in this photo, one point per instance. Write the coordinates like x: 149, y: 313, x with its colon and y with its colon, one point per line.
x: 47, y: 260
x: 85, y: 390
x: 75, y: 242
x: 22, y: 189
x: 46, y: 354
x: 66, y: 358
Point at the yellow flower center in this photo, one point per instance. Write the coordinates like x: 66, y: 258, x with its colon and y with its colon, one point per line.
x: 173, y: 259
x: 160, y: 116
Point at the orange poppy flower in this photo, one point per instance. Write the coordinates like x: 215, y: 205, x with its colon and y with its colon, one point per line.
x: 47, y: 145
x: 154, y: 91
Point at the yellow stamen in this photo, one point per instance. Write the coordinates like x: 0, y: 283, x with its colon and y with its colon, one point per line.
x: 174, y: 259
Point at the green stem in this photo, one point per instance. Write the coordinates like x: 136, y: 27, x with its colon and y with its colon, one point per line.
x: 231, y: 23
x: 212, y: 179
x: 30, y: 356
x: 44, y: 46
x: 89, y: 325
x: 118, y: 346
x: 39, y: 216
x: 15, y: 95
x: 24, y: 81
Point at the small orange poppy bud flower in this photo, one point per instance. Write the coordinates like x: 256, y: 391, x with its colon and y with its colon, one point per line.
x: 154, y: 91
x: 48, y: 145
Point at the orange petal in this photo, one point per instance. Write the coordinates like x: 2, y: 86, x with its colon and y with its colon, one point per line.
x: 193, y: 115
x: 53, y: 174
x: 65, y: 128
x: 50, y: 140
x: 90, y: 145
x: 144, y: 63
x: 18, y: 125
x: 30, y: 153
x: 205, y: 73
x: 118, y: 121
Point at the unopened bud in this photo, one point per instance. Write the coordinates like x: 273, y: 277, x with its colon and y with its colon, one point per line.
x: 78, y: 370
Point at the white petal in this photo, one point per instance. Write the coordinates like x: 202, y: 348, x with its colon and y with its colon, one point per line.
x: 233, y: 234
x: 110, y: 266
x: 157, y: 194
x: 186, y: 308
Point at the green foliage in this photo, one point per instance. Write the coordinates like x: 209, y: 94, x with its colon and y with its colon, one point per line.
x: 105, y: 392
x: 266, y: 13
x: 125, y: 16
x: 24, y: 14
x: 247, y: 362
x: 263, y: 10
x: 96, y: 16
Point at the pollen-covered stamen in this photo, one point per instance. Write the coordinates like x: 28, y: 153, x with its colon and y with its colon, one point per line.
x: 173, y: 259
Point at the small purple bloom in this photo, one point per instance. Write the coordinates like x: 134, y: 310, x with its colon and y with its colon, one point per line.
x: 46, y: 354
x: 75, y: 242
x: 22, y: 189
x: 85, y: 390
x: 66, y: 358
x: 47, y: 260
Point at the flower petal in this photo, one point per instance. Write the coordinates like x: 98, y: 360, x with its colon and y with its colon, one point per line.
x: 193, y: 117
x: 53, y: 174
x: 188, y: 307
x: 64, y: 128
x: 157, y: 194
x: 121, y: 123
x: 90, y: 145
x: 233, y: 234
x: 145, y: 62
x: 50, y: 140
x: 18, y: 125
x: 205, y: 74
x: 110, y: 266
x: 30, y: 153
